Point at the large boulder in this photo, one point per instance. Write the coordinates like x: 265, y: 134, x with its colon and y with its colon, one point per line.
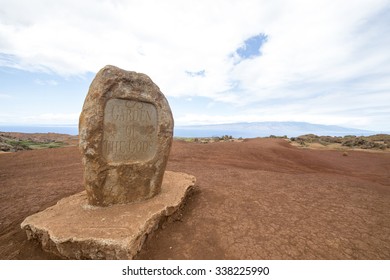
x: 126, y: 130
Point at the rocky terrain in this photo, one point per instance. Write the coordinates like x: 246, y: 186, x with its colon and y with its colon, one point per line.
x: 373, y: 142
x: 255, y: 199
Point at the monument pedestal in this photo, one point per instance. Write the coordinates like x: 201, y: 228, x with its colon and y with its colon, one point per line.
x: 76, y: 230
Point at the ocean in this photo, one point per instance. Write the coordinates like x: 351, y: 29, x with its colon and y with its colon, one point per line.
x: 63, y: 129
x: 73, y: 130
x: 244, y: 130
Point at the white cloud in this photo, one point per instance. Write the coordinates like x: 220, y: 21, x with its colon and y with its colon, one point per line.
x: 46, y: 119
x: 46, y: 82
x: 50, y: 118
x: 328, y: 58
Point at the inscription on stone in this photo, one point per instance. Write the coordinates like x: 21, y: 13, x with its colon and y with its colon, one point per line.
x: 126, y: 131
x: 130, y: 131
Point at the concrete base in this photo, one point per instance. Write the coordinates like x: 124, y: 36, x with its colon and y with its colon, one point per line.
x: 75, y: 230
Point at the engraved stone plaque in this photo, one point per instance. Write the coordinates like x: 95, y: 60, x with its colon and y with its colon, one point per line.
x: 125, y: 130
x: 130, y: 131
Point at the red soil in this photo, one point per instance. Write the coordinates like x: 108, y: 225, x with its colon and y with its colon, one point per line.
x: 257, y: 199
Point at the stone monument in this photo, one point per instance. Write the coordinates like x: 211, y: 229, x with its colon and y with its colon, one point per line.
x: 125, y: 131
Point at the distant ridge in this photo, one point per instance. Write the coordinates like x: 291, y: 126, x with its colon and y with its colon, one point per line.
x: 262, y: 129
x: 243, y: 129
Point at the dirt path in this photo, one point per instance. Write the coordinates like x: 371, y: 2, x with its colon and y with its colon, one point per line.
x: 257, y: 199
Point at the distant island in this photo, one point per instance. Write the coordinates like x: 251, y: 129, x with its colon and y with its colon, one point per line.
x: 263, y: 129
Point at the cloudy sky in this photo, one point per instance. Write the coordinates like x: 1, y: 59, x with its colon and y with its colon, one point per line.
x: 219, y: 61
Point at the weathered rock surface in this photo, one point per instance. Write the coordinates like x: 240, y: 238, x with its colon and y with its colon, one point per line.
x: 125, y: 131
x: 74, y: 229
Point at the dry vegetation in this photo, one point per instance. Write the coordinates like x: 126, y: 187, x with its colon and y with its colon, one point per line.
x: 206, y: 140
x: 14, y: 141
x: 379, y: 142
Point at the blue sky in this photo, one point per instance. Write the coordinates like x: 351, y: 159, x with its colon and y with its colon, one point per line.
x: 216, y: 61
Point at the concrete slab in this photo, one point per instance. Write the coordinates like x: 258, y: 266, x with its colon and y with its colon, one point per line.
x: 75, y: 230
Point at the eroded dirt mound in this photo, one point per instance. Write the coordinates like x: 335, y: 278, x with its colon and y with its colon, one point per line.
x: 256, y: 199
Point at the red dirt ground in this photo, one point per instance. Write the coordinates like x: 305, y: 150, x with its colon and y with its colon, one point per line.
x: 257, y: 199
